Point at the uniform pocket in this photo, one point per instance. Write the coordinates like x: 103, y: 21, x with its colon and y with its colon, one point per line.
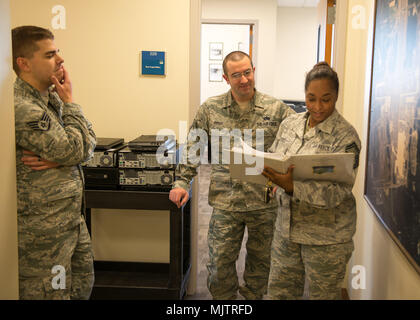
x: 44, y: 195
x: 313, y: 225
x: 316, y: 216
x: 41, y: 289
x: 269, y: 136
x: 44, y: 210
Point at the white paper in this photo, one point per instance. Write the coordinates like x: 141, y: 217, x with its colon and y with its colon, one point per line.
x: 337, y: 167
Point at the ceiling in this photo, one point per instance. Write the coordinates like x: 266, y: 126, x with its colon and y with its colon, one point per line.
x: 297, y: 3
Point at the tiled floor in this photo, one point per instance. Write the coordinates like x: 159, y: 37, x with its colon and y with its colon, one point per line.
x: 204, y: 214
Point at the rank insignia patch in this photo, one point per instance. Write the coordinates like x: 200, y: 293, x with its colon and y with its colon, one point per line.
x: 353, y: 148
x: 41, y: 125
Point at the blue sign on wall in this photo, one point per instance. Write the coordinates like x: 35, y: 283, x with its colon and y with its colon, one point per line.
x: 153, y: 63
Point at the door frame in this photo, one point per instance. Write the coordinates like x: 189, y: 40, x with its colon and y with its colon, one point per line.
x: 340, y: 46
x: 254, y: 23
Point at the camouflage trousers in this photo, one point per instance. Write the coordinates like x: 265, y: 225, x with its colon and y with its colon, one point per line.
x: 324, y: 267
x: 225, y: 235
x: 56, y: 266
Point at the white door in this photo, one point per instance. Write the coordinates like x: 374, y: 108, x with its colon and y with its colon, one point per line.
x: 217, y: 41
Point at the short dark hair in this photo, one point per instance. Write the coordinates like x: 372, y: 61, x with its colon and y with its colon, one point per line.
x: 235, y: 56
x: 24, y: 40
x: 322, y: 70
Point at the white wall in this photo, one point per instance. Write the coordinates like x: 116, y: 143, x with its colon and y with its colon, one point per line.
x: 229, y: 35
x: 101, y: 47
x: 322, y: 21
x: 281, y: 58
x: 194, y: 101
x: 8, y: 217
x: 389, y: 275
x: 340, y: 45
x: 263, y: 11
x: 297, y: 38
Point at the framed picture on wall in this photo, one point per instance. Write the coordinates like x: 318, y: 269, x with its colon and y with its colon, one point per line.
x: 215, y: 72
x: 216, y: 51
x: 392, y: 184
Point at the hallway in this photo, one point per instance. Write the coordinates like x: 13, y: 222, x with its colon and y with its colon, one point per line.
x: 204, y: 215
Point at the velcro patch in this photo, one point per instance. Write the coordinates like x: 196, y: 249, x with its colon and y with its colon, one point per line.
x: 41, y: 125
x: 353, y: 148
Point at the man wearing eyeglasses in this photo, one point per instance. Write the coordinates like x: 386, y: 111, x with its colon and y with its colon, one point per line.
x: 236, y: 204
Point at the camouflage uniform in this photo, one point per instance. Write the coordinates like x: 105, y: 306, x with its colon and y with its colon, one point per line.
x: 236, y: 204
x: 315, y: 226
x: 52, y: 231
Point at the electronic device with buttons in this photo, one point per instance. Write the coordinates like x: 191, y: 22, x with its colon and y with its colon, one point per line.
x: 128, y: 158
x: 141, y: 179
x: 101, y: 178
x: 147, y: 163
x: 105, y: 154
x: 152, y: 143
x: 101, y: 172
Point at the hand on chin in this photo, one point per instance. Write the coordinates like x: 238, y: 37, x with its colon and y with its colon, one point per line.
x: 59, y: 75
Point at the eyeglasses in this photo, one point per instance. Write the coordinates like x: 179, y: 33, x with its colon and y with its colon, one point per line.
x: 238, y: 75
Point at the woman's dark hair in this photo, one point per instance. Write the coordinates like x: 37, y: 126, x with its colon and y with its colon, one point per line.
x: 322, y: 70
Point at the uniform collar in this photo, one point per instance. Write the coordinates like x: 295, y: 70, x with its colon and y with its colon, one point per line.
x: 329, y: 124
x: 256, y: 101
x: 27, y: 88
x: 326, y: 126
x: 30, y: 90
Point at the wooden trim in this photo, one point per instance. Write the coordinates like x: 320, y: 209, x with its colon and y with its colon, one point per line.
x: 329, y: 35
x: 254, y: 25
x: 340, y: 47
x: 251, y: 39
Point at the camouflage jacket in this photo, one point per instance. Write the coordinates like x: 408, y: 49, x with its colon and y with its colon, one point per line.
x: 222, y: 112
x: 57, y: 132
x: 319, y: 212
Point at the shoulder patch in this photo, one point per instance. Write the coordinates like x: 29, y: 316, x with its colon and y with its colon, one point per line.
x: 353, y: 148
x: 41, y: 125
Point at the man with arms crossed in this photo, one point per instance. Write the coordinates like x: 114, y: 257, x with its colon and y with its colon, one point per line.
x: 52, y: 139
